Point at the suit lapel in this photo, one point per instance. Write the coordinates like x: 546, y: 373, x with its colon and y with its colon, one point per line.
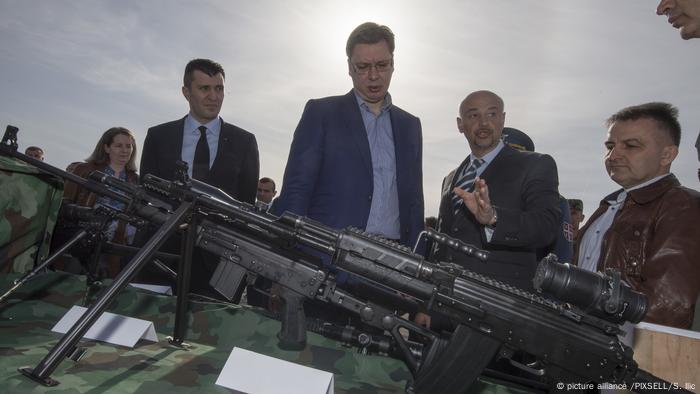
x: 223, y: 147
x: 356, y: 128
x: 446, y: 197
x: 494, y: 168
x: 489, y: 175
x: 228, y: 156
x: 403, y: 149
x: 174, y: 154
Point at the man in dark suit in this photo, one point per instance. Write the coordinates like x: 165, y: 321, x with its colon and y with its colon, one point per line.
x: 499, y: 199
x: 233, y: 152
x: 356, y: 159
x: 217, y: 152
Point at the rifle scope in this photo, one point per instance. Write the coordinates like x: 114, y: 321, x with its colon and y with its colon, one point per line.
x: 602, y: 295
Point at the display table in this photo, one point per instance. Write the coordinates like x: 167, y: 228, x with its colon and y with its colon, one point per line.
x: 27, y: 317
x: 669, y: 353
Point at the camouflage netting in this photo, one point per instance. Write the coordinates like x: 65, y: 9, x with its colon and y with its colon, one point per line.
x: 29, y: 203
x: 25, y: 338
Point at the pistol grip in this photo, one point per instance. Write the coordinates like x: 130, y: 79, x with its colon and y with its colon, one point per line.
x: 292, y: 336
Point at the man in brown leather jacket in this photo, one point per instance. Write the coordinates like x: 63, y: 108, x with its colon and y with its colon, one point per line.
x: 650, y: 229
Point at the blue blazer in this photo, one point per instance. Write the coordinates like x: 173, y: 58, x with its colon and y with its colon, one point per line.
x: 329, y: 178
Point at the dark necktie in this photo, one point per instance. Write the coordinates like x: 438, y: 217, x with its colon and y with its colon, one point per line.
x: 200, y: 164
x: 466, y: 182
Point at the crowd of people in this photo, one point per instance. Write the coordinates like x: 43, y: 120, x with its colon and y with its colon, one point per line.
x: 356, y: 160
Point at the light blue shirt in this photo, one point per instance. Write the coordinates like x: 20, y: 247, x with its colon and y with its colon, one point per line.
x: 190, y: 137
x: 488, y: 158
x: 384, y: 212
x: 592, y: 241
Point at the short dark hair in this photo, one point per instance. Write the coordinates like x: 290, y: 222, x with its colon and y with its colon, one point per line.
x: 575, y: 203
x: 268, y: 180
x: 206, y: 66
x: 33, y: 148
x: 369, y: 33
x: 431, y: 222
x: 665, y: 115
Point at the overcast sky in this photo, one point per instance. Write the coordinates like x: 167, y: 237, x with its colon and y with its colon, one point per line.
x: 72, y: 69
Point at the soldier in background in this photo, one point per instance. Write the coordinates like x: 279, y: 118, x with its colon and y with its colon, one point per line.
x: 576, y: 210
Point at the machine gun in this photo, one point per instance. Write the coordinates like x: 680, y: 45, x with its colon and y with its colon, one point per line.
x: 570, y: 346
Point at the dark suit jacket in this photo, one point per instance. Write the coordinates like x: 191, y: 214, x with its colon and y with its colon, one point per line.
x: 523, y: 188
x: 329, y: 176
x: 235, y: 169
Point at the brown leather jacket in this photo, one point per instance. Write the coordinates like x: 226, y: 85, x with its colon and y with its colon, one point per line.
x: 654, y: 242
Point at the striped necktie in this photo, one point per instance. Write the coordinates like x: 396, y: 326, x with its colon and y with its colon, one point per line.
x: 466, y: 182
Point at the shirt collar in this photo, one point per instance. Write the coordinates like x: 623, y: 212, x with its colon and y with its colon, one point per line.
x: 488, y: 158
x: 192, y: 125
x: 647, y: 183
x: 361, y: 102
x: 644, y: 192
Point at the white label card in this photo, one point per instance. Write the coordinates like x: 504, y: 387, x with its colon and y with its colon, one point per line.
x: 110, y: 328
x: 250, y: 372
x: 160, y: 289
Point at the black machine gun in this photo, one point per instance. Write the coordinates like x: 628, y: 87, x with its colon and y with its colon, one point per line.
x: 492, y: 318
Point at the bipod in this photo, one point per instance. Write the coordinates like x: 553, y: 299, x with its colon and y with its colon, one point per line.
x: 183, y: 285
x: 42, y: 372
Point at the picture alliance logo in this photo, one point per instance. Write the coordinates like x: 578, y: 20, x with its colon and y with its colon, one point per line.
x: 655, y: 386
x: 636, y: 386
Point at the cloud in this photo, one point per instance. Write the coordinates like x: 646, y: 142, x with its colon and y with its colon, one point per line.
x: 79, y: 67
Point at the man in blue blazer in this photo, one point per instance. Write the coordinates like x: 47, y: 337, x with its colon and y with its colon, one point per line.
x: 356, y: 159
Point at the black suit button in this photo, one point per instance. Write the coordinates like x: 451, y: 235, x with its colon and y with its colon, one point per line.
x: 455, y: 229
x: 369, y: 197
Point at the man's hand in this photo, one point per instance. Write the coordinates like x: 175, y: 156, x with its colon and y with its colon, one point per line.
x: 422, y: 319
x: 478, y: 202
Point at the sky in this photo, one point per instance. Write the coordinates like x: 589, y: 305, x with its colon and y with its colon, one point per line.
x: 69, y: 70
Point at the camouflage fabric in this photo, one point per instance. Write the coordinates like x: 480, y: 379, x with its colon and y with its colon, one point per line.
x: 214, y: 329
x: 29, y: 204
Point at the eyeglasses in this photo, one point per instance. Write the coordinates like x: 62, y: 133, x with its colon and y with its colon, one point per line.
x: 381, y: 66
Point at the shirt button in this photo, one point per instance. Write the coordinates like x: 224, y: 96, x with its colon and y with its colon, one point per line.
x: 636, y: 233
